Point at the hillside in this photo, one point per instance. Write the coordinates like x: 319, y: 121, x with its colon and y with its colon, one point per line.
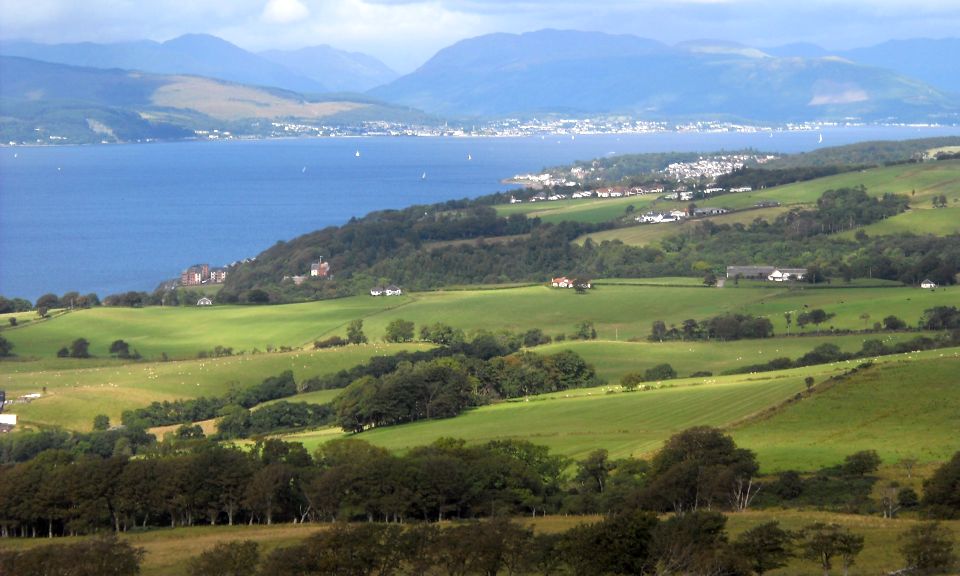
x: 878, y: 409
x: 55, y: 103
x: 921, y: 183
x: 194, y: 54
x: 337, y: 70
x: 77, y: 390
x: 545, y: 71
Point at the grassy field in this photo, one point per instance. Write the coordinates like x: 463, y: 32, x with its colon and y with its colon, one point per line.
x: 183, y: 331
x: 902, y: 409
x: 919, y: 182
x: 644, y: 234
x: 939, y: 222
x: 614, y: 359
x: 621, y: 311
x: 74, y: 397
x: 576, y: 422
x: 578, y: 210
x: 80, y: 389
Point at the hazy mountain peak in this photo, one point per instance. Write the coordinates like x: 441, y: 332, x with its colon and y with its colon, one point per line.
x: 709, y: 46
x: 339, y: 70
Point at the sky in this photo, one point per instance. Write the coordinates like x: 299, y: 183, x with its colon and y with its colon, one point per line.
x: 405, y: 33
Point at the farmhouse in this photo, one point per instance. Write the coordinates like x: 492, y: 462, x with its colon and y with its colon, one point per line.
x: 787, y: 274
x: 204, y: 302
x: 320, y: 269
x: 928, y: 283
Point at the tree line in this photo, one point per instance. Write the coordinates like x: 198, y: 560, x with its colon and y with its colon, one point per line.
x: 827, y: 352
x: 697, y: 474
x: 723, y: 327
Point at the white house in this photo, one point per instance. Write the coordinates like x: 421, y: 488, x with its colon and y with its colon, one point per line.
x: 393, y: 290
x: 376, y: 291
x: 204, y: 302
x: 786, y: 274
x: 561, y: 282
x: 928, y: 283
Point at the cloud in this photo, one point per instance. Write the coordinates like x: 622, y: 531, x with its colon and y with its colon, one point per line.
x: 284, y: 12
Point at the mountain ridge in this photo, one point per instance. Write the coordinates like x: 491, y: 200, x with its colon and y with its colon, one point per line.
x: 211, y: 56
x: 554, y: 71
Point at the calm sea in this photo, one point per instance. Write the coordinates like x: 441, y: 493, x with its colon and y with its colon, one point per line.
x: 108, y: 219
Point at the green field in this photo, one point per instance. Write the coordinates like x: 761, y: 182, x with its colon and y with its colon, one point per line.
x: 903, y: 409
x: 644, y: 234
x: 622, y: 311
x: 80, y: 389
x: 74, y: 397
x: 183, y: 331
x: 614, y: 359
x: 919, y: 182
x: 576, y: 422
x: 579, y: 210
x: 939, y: 222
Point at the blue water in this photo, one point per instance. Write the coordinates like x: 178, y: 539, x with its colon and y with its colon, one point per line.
x: 107, y: 219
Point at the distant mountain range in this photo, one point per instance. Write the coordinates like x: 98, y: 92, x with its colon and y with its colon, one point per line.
x: 310, y: 70
x: 553, y: 71
x: 56, y: 103
x: 133, y: 90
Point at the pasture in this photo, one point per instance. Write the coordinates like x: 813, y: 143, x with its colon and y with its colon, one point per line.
x: 578, y: 210
x: 901, y: 409
x: 72, y: 397
x: 646, y: 234
x: 843, y: 419
x: 182, y: 332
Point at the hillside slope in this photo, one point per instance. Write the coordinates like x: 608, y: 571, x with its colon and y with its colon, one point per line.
x: 588, y: 73
x: 195, y: 54
x: 56, y: 103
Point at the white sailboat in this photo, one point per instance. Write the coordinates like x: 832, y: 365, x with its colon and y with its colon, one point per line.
x: 358, y: 153
x: 423, y: 176
x: 469, y: 157
x: 303, y: 170
x: 820, y: 141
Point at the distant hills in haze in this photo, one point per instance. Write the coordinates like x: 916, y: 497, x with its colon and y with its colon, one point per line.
x: 310, y: 70
x: 554, y: 71
x: 132, y: 90
x: 57, y: 103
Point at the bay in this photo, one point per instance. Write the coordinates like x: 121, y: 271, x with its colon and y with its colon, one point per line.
x: 108, y: 219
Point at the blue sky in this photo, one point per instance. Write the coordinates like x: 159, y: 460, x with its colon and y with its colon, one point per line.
x: 405, y: 33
